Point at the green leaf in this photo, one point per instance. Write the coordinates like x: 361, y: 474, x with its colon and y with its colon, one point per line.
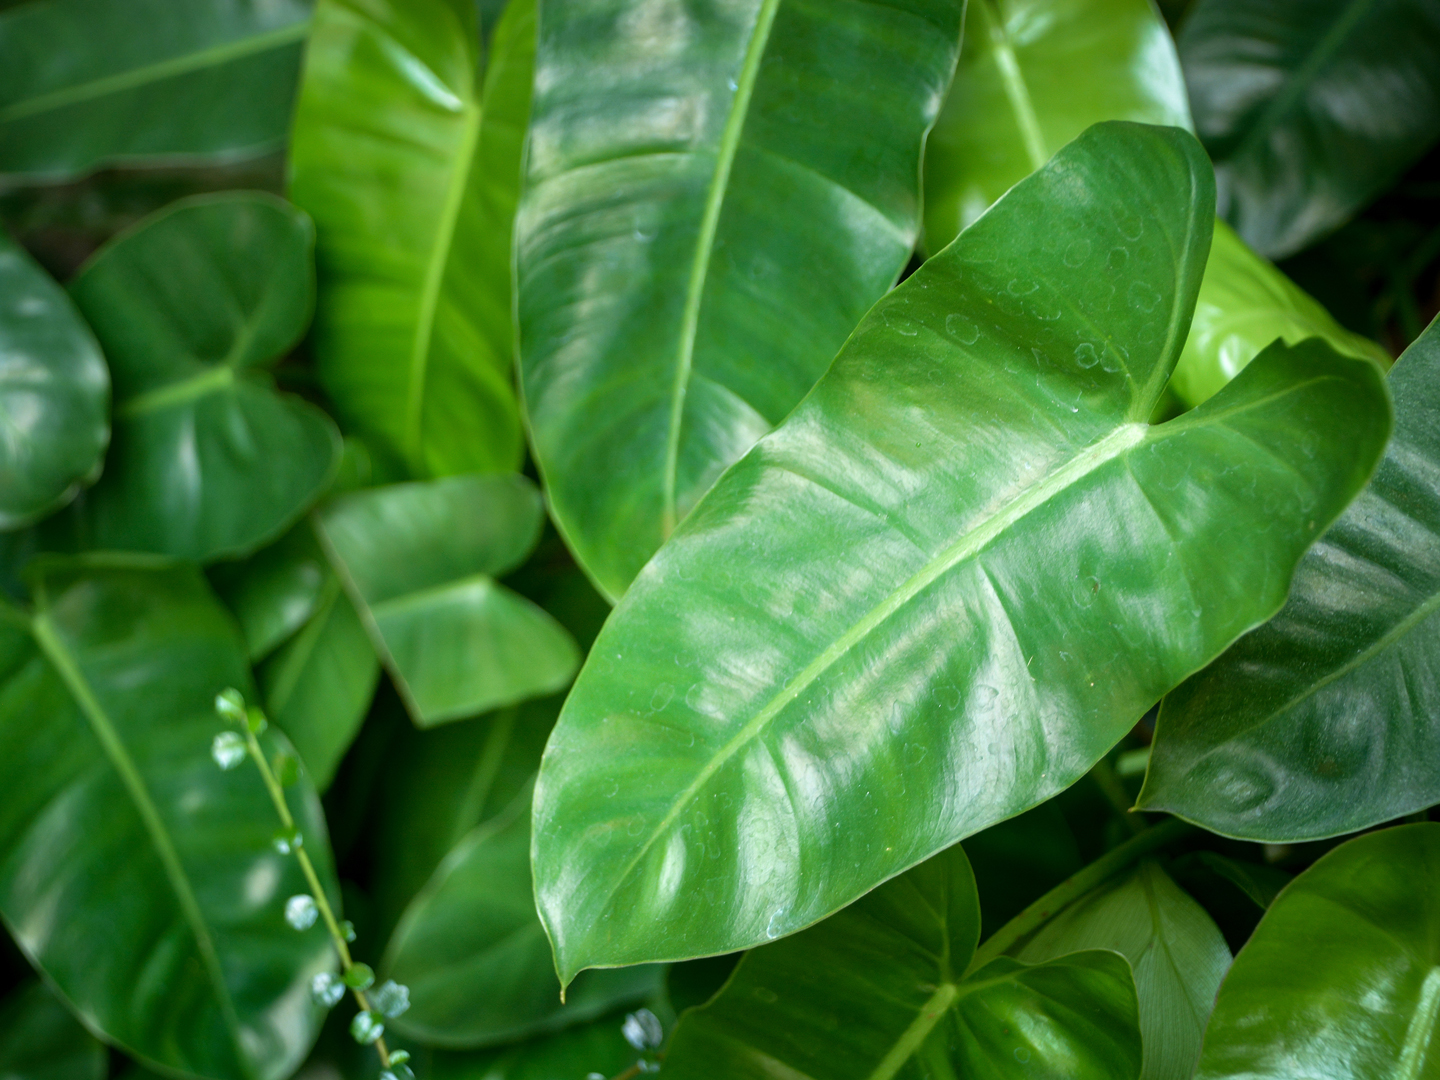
x: 1259, y: 884
x: 40, y: 1040
x: 473, y: 952
x: 133, y: 872
x: 1342, y: 977
x: 700, y: 232
x: 880, y: 990
x: 87, y: 82
x: 1034, y: 74
x: 950, y: 581
x: 412, y: 181
x: 1324, y: 721
x: 420, y: 561
x: 207, y: 460
x: 1309, y: 108
x: 54, y: 393
x: 274, y: 592
x: 1177, y: 954
x: 589, y: 1050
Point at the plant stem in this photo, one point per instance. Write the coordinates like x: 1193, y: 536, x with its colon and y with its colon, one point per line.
x: 1108, y: 781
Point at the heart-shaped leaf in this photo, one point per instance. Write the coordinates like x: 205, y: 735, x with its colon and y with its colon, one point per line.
x: 950, y: 581
x: 701, y: 231
x: 40, y: 1040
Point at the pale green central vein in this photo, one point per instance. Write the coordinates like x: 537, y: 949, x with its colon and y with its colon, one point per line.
x: 1421, y: 1029
x: 105, y: 732
x: 177, y: 393
x: 918, y: 1031
x: 704, y: 245
x: 150, y: 73
x: 1013, y: 80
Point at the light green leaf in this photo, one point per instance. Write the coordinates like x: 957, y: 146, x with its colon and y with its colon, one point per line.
x: 950, y: 581
x: 40, y: 1040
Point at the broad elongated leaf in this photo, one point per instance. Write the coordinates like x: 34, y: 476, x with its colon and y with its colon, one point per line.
x: 677, y: 214
x: 1324, y: 720
x: 1033, y: 74
x: 1309, y: 108
x: 880, y: 990
x: 54, y: 393
x: 276, y: 591
x: 133, y: 872
x: 420, y: 562
x: 40, y: 1040
x: 412, y: 182
x: 1341, y: 979
x: 207, y: 459
x: 950, y: 581
x: 87, y: 82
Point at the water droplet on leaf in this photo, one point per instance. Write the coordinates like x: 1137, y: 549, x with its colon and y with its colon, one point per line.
x: 228, y: 750
x: 642, y: 1030
x: 366, y: 1028
x: 230, y: 705
x: 301, y: 912
x: 287, y: 840
x: 392, y: 998
x: 326, y: 989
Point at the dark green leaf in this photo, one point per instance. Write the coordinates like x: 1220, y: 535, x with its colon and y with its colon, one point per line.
x: 1341, y: 980
x: 581, y: 1053
x: 950, y: 582
x: 412, y: 181
x: 1019, y: 859
x: 133, y: 872
x: 1327, y: 719
x: 54, y: 393
x: 701, y: 231
x: 275, y: 591
x: 207, y: 460
x: 1310, y: 108
x: 40, y: 1040
x: 87, y: 82
x: 1260, y: 884
x: 420, y: 562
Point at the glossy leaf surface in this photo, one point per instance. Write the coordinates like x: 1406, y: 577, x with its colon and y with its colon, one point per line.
x: 274, y: 592
x: 420, y: 561
x: 88, y: 82
x: 950, y: 581
x: 878, y: 991
x: 1324, y: 720
x: 1309, y: 108
x: 207, y: 459
x: 412, y: 185
x: 133, y: 872
x: 1033, y: 74
x: 675, y: 214
x: 1341, y: 979
x: 54, y: 393
x: 40, y: 1040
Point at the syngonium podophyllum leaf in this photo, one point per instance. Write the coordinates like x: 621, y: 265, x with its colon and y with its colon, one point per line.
x: 420, y: 561
x: 1324, y: 720
x: 1034, y: 74
x: 675, y: 215
x: 87, y: 82
x: 134, y: 873
x: 474, y: 955
x: 54, y: 393
x: 881, y: 990
x: 1341, y: 979
x: 40, y: 1040
x: 1177, y: 955
x: 412, y: 180
x: 207, y: 459
x: 1309, y: 108
x: 950, y: 581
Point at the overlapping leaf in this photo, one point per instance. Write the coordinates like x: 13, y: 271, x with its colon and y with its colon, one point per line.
x: 40, y: 1040
x: 275, y: 592
x: 595, y: 1049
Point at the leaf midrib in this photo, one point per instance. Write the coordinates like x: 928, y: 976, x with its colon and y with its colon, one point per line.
x: 1017, y: 91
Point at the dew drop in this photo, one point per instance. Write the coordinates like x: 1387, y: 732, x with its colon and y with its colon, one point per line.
x: 230, y: 706
x: 287, y: 840
x: 1085, y: 355
x: 301, y: 912
x: 228, y: 750
x: 326, y: 989
x: 366, y: 1028
x: 642, y: 1030
x: 391, y: 998
x: 962, y: 329
x: 776, y: 926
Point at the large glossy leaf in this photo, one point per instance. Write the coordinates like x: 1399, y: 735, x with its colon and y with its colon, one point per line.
x: 950, y: 582
x: 700, y: 232
x: 207, y: 459
x: 87, y: 82
x: 1341, y: 980
x: 1177, y: 954
x: 1309, y: 108
x: 54, y: 393
x: 133, y: 872
x: 1034, y: 74
x: 420, y: 561
x: 40, y: 1040
x: 412, y: 182
x: 1324, y: 720
x: 881, y: 990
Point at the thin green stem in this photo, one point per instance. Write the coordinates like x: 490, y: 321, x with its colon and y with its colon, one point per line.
x: 1108, y: 781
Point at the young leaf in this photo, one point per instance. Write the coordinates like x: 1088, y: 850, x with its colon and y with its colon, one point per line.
x: 134, y: 873
x: 701, y: 231
x: 1342, y: 976
x: 40, y: 1040
x: 879, y: 991
x: 1309, y: 108
x: 950, y: 581
x: 1324, y: 720
x: 88, y: 82
x: 412, y: 181
x: 207, y: 460
x: 54, y: 393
